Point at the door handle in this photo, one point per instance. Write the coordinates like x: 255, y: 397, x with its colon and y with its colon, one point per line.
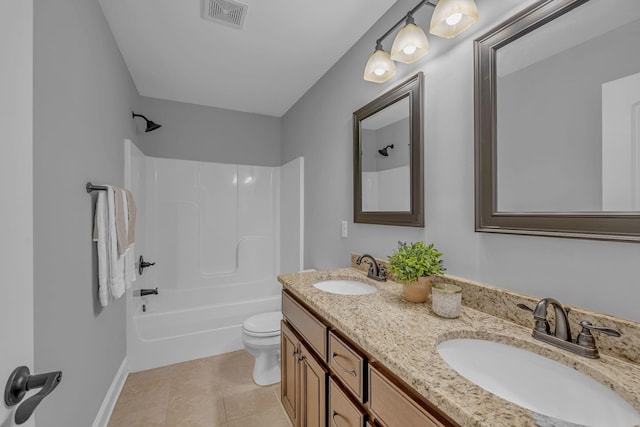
x: 20, y: 381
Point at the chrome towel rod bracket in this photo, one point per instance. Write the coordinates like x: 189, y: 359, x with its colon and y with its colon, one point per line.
x: 90, y: 187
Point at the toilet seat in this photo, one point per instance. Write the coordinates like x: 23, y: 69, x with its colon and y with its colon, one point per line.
x: 263, y: 325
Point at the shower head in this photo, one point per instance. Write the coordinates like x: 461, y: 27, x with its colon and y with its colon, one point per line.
x: 383, y: 151
x: 150, y: 124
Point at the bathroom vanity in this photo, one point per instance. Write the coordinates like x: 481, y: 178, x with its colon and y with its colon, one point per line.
x: 371, y: 360
x: 359, y: 389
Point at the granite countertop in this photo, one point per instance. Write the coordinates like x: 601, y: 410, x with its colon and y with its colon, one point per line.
x: 403, y: 336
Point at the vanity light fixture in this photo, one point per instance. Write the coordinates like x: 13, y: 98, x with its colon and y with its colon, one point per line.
x: 380, y: 67
x: 450, y: 18
x: 410, y: 44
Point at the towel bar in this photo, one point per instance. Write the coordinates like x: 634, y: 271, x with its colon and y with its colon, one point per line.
x: 90, y: 187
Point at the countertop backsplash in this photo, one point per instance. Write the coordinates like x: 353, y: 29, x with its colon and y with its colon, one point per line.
x: 502, y: 303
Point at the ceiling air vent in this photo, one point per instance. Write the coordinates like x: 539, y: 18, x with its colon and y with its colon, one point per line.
x: 229, y: 13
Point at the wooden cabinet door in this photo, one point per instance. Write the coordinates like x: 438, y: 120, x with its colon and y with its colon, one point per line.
x: 313, y: 390
x: 289, y: 371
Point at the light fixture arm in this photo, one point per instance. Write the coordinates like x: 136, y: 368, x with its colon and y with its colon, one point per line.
x: 407, y: 17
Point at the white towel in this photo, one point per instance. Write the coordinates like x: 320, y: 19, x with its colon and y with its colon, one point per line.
x: 129, y: 256
x: 116, y: 272
x: 100, y: 237
x: 116, y: 263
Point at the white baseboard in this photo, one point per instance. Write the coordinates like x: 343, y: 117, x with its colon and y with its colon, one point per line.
x: 109, y: 402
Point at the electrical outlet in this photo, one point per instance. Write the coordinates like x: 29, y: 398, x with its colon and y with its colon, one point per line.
x: 345, y: 230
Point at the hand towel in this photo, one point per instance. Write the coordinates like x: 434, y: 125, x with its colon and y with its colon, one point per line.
x: 116, y: 263
x: 121, y: 220
x: 131, y: 230
x: 129, y: 257
x: 100, y: 237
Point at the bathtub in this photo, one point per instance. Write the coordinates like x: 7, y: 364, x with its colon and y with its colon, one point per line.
x: 181, y: 325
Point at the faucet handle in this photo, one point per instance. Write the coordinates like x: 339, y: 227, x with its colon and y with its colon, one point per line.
x: 382, y: 271
x: 587, y: 326
x: 585, y: 338
x: 525, y: 307
x: 542, y: 325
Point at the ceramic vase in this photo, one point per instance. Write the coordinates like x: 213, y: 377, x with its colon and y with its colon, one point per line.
x: 417, y: 291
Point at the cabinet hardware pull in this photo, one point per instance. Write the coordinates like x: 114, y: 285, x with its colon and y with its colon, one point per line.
x: 333, y: 418
x: 348, y: 371
x: 294, y: 352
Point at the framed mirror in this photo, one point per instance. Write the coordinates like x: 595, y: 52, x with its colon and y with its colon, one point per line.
x: 387, y: 158
x: 557, y: 121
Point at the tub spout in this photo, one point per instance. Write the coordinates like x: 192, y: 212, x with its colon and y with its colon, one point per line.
x: 145, y: 292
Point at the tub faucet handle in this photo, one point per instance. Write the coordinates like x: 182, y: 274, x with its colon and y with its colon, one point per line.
x: 142, y: 264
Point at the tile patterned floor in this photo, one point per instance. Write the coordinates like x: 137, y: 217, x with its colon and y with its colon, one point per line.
x: 214, y: 391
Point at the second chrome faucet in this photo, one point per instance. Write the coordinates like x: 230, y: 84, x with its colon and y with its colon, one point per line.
x: 585, y: 343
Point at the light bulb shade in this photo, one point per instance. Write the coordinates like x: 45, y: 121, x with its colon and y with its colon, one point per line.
x: 466, y: 14
x: 380, y: 67
x: 410, y: 44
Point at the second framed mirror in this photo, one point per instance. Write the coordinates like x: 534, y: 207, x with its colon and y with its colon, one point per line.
x: 387, y: 157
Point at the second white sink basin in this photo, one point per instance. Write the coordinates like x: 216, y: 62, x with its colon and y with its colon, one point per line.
x: 537, y: 383
x: 345, y: 287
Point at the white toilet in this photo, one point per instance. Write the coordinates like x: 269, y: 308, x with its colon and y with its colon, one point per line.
x: 261, y: 338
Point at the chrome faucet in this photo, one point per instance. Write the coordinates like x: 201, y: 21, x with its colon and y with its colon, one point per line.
x: 585, y: 344
x: 376, y: 272
x: 563, y: 330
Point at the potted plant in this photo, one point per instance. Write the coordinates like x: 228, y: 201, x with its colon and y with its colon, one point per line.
x: 413, y: 265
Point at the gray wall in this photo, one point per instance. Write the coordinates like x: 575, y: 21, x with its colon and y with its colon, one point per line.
x: 598, y: 275
x: 83, y: 96
x: 195, y: 132
x: 563, y: 93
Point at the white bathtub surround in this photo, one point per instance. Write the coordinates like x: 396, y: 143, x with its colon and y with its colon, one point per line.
x: 386, y: 190
x: 180, y: 326
x: 213, y: 230
x: 292, y: 215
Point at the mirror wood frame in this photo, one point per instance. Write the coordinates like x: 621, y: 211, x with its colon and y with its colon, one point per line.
x: 614, y: 226
x: 411, y: 89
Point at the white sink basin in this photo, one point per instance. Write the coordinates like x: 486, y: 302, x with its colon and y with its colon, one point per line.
x: 345, y: 287
x: 534, y: 382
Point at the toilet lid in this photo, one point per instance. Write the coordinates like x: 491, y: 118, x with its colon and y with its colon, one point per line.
x: 263, y: 324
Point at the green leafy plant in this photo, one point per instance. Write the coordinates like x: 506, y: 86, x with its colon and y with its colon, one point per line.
x: 410, y: 262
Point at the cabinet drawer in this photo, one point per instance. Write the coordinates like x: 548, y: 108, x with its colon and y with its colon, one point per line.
x: 342, y: 411
x: 348, y: 365
x: 392, y: 407
x: 312, y: 329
